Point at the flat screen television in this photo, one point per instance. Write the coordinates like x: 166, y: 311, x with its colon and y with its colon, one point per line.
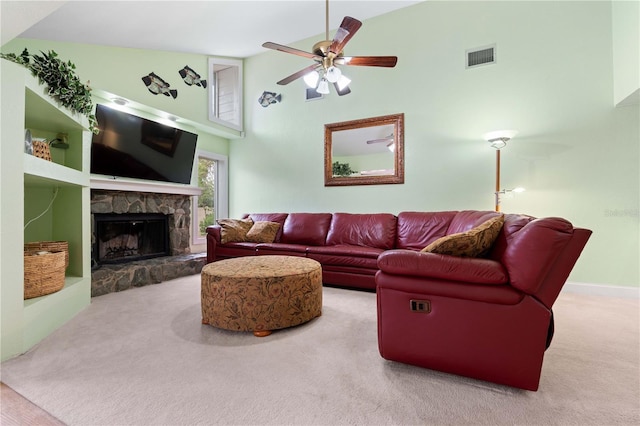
x: 133, y: 147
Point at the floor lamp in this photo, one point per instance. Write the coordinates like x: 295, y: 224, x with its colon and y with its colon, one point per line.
x: 498, y: 140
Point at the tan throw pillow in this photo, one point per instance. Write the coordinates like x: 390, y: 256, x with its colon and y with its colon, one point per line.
x: 473, y: 243
x: 263, y: 232
x: 234, y: 230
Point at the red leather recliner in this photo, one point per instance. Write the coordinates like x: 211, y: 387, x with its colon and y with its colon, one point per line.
x: 485, y: 318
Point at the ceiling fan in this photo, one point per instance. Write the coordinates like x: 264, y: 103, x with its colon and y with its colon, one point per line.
x: 385, y: 139
x: 327, y: 55
x: 389, y: 140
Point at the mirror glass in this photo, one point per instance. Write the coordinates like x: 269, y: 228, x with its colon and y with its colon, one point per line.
x: 368, y: 151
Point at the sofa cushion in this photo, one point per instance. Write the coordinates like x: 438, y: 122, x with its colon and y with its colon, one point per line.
x: 513, y: 223
x: 416, y: 230
x: 376, y: 230
x: 281, y: 249
x: 441, y: 267
x: 472, y: 243
x: 231, y: 250
x: 345, y: 255
x: 306, y: 228
x: 263, y: 232
x: 234, y: 230
x: 465, y: 220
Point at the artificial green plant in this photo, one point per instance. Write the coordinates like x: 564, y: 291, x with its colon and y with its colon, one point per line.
x: 342, y: 169
x: 62, y: 82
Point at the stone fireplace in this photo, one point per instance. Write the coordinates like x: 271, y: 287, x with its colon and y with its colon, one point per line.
x: 176, y: 207
x: 122, y: 257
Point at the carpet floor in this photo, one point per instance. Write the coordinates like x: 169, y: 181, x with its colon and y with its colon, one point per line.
x: 142, y: 357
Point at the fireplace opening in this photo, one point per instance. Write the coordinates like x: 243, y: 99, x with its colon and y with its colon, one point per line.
x: 123, y: 238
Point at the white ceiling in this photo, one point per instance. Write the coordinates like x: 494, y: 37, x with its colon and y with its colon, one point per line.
x: 224, y: 28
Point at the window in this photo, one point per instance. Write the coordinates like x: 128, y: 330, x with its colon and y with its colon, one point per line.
x: 213, y: 203
x: 225, y: 92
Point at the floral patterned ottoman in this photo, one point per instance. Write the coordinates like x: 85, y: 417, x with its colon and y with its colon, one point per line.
x: 261, y: 293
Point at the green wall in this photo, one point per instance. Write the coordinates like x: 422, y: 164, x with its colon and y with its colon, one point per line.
x: 626, y: 55
x: 119, y: 72
x: 576, y: 154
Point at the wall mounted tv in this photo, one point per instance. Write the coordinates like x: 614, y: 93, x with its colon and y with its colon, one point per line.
x: 133, y: 147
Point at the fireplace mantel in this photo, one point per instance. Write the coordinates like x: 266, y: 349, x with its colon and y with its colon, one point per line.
x: 120, y: 184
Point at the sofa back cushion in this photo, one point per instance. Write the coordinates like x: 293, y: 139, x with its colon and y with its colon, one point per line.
x: 306, y: 228
x: 376, y: 230
x: 465, y: 220
x: 416, y: 230
x: 529, y: 250
x: 269, y: 217
x: 513, y: 223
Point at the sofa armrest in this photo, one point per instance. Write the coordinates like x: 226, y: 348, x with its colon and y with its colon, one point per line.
x: 441, y: 266
x: 213, y: 239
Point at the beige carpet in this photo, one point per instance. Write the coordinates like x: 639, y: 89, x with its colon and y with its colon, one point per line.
x: 142, y: 357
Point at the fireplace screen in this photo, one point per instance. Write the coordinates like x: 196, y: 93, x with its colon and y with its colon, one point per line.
x: 128, y: 237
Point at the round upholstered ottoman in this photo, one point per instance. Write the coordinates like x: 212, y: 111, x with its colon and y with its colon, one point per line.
x: 261, y: 293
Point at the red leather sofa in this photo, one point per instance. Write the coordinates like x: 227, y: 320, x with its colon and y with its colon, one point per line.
x: 484, y: 317
x: 346, y: 245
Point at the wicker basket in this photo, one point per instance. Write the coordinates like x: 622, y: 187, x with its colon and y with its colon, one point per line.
x: 37, y: 246
x: 43, y: 273
x: 41, y: 150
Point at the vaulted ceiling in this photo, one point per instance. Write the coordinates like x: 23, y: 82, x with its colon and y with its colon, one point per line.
x: 223, y: 28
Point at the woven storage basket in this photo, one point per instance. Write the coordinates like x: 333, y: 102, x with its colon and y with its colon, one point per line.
x: 37, y: 246
x: 43, y: 273
x: 41, y: 150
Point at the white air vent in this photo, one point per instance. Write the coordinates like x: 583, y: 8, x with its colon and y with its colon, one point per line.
x: 481, y: 56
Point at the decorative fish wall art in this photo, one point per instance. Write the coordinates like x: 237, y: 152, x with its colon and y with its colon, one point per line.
x: 268, y: 98
x: 158, y: 86
x: 190, y: 77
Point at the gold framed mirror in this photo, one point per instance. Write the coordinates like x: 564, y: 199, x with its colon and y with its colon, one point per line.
x: 369, y: 151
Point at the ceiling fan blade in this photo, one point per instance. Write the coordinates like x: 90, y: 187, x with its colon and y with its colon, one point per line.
x: 287, y: 49
x: 380, y: 140
x: 347, y: 29
x: 368, y: 61
x: 297, y: 75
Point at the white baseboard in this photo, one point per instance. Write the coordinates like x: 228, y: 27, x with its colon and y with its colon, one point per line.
x: 603, y: 290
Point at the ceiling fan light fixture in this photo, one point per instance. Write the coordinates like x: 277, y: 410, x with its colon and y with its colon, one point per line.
x: 333, y: 74
x: 323, y: 87
x: 391, y: 146
x: 311, y: 79
x: 329, y: 53
x: 343, y: 82
x: 498, y: 139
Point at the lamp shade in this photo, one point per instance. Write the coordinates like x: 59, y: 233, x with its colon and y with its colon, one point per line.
x: 343, y: 82
x: 311, y: 79
x: 333, y: 74
x: 323, y: 87
x: 499, y: 138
